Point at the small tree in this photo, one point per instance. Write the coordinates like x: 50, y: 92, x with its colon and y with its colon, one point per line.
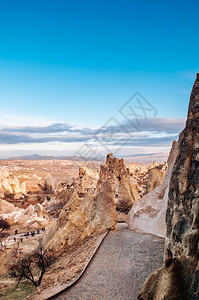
x: 32, y: 266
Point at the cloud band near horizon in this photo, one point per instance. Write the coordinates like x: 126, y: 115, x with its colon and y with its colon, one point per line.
x: 151, y: 133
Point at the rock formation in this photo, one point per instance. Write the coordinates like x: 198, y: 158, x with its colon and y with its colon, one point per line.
x: 179, y: 277
x: 82, y: 217
x: 124, y: 186
x: 49, y: 184
x: 10, y: 184
x: 148, y: 213
x: 84, y: 184
x: 33, y: 215
x: 7, y: 207
x: 155, y: 178
x: 87, y: 181
x: 128, y: 184
x: 147, y: 177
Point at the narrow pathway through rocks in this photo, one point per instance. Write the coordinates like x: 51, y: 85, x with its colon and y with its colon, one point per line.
x: 119, y: 269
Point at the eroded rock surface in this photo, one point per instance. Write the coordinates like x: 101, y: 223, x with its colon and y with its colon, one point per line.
x: 82, y: 217
x: 11, y: 184
x: 147, y: 178
x: 179, y: 277
x: 33, y: 215
x: 148, y: 213
x: 124, y: 186
x: 155, y: 178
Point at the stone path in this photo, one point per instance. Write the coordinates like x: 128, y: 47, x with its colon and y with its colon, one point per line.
x: 119, y: 269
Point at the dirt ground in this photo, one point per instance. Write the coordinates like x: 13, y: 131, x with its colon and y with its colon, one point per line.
x: 64, y: 270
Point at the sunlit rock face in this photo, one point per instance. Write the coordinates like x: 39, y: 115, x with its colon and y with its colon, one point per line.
x: 82, y: 217
x: 179, y: 278
x: 33, y: 215
x: 155, y: 178
x: 124, y: 187
x: 7, y: 207
x: 146, y: 177
x: 148, y: 214
x: 10, y: 184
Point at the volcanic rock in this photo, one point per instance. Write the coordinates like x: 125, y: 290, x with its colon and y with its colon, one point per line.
x: 10, y: 183
x: 6, y: 207
x: 155, y: 178
x: 179, y: 278
x: 32, y: 215
x: 147, y: 178
x: 49, y: 184
x: 82, y: 217
x: 148, y: 213
x: 124, y: 186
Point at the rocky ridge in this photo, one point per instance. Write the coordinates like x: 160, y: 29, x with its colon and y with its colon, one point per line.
x: 124, y: 186
x: 147, y: 215
x: 179, y: 277
x: 82, y: 217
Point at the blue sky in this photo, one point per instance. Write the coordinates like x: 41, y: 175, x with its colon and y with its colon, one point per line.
x: 77, y: 62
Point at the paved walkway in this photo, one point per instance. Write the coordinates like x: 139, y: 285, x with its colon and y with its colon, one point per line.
x: 119, y: 269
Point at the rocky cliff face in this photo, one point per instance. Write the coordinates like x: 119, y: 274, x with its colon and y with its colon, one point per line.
x: 10, y: 184
x: 148, y: 178
x: 124, y: 187
x: 179, y: 278
x: 155, y: 178
x: 147, y: 215
x: 82, y: 217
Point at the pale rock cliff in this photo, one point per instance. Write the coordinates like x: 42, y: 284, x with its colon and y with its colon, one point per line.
x: 82, y: 217
x: 148, y: 213
x: 179, y: 277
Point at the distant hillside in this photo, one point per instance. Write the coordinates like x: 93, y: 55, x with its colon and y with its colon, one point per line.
x: 45, y: 157
x: 139, y: 158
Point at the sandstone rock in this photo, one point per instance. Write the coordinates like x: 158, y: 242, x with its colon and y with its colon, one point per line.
x: 167, y: 280
x: 29, y: 210
x: 49, y: 184
x: 103, y: 210
x: 84, y: 184
x: 182, y: 218
x: 1, y: 189
x: 82, y: 217
x: 2, y: 195
x: 10, y: 183
x: 23, y: 188
x: 18, y: 196
x: 38, y: 208
x: 133, y: 168
x: 155, y: 177
x: 7, y: 186
x: 124, y: 189
x: 148, y: 214
x: 87, y: 180
x: 32, y: 215
x: 6, y: 207
x: 147, y: 178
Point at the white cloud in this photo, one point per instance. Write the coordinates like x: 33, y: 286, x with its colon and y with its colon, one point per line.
x: 47, y: 138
